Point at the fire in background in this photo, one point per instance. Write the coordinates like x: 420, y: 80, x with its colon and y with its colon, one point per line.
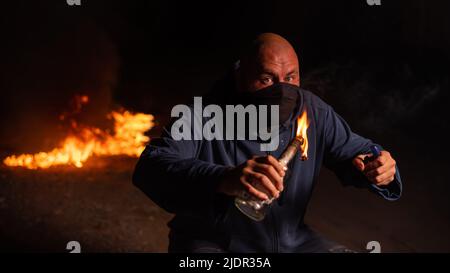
x: 127, y: 138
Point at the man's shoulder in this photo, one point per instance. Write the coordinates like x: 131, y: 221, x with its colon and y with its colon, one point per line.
x: 312, y: 100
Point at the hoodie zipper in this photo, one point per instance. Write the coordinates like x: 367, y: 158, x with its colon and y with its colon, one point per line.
x: 275, y: 232
x: 274, y: 228
x: 275, y: 241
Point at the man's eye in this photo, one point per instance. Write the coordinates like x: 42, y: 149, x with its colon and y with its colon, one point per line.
x: 266, y: 80
x: 289, y: 78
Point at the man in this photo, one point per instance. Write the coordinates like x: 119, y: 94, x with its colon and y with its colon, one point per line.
x: 197, y: 180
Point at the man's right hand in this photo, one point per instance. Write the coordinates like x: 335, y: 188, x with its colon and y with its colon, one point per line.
x: 261, y: 177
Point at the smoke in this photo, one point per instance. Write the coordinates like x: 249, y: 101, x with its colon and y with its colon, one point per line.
x: 379, y: 96
x: 47, y: 60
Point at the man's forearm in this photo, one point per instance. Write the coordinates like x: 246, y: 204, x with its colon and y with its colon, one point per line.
x: 176, y: 184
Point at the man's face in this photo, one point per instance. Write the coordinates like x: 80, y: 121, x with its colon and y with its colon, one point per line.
x: 272, y: 65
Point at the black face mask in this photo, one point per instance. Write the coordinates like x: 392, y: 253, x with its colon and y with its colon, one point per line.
x: 282, y: 94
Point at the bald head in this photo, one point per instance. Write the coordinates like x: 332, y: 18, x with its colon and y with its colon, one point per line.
x: 269, y: 59
x: 272, y: 47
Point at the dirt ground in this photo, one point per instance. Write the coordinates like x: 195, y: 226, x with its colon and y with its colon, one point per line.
x: 98, y: 206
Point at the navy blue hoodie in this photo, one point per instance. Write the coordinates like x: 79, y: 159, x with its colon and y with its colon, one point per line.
x: 182, y: 176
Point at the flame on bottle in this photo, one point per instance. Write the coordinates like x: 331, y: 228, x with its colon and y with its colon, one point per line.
x: 302, y: 127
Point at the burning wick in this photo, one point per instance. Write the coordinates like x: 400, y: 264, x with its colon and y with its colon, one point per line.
x: 291, y: 150
x: 299, y: 143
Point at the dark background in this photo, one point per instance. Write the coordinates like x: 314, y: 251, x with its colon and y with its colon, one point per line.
x: 384, y: 68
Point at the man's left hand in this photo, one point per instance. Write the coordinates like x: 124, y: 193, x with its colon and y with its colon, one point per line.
x: 380, y: 171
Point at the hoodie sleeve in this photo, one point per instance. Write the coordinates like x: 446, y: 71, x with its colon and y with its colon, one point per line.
x: 169, y: 172
x: 341, y: 146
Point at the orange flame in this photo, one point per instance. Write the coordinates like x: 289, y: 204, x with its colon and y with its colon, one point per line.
x: 302, y: 127
x: 128, y: 139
